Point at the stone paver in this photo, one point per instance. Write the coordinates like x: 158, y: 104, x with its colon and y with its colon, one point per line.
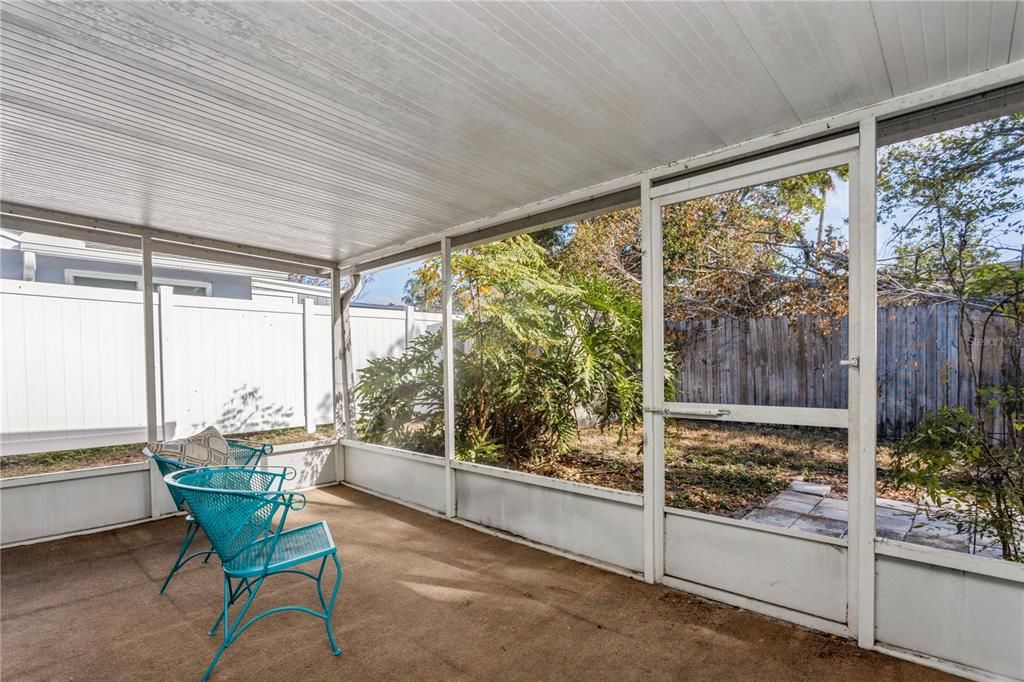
x: 794, y: 501
x: 780, y: 518
x: 819, y: 525
x: 819, y: 489
x: 806, y: 506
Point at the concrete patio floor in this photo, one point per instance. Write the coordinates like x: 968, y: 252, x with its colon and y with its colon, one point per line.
x: 423, y: 598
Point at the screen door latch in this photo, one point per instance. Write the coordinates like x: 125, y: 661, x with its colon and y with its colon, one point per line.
x: 852, y: 362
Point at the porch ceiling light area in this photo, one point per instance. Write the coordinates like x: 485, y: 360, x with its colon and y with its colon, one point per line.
x: 336, y: 129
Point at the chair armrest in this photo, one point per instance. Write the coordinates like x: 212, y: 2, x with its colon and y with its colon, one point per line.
x: 257, y: 450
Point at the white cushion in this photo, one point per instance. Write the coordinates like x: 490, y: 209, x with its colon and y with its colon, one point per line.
x: 206, y: 448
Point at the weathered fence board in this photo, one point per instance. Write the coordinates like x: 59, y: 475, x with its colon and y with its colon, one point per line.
x: 924, y: 361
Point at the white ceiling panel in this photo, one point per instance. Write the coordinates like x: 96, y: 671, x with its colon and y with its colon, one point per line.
x: 335, y: 129
x: 927, y: 43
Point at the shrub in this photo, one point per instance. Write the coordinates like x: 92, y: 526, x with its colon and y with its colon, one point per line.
x: 535, y: 350
x: 972, y: 479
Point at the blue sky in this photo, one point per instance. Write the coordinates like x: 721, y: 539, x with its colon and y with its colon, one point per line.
x: 387, y: 285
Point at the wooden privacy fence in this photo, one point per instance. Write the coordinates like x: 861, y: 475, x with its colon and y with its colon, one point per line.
x: 923, y: 361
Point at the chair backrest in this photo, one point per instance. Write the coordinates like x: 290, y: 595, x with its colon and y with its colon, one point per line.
x: 235, y: 506
x: 167, y: 467
x: 240, y: 453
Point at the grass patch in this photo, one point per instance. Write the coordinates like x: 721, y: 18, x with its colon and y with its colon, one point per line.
x: 89, y: 458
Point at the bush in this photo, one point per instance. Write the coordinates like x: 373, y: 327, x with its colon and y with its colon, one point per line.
x: 972, y: 479
x: 535, y: 350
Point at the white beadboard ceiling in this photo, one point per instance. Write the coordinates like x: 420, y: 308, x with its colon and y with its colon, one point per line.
x: 334, y: 129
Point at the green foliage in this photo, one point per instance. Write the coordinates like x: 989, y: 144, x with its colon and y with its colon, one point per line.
x: 971, y: 481
x: 744, y: 253
x: 535, y: 350
x: 952, y: 204
x: 401, y: 398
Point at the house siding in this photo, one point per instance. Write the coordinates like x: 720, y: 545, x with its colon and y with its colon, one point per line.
x: 51, y: 269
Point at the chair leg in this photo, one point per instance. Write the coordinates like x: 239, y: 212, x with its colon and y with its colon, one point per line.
x: 235, y: 593
x: 186, y: 542
x: 329, y: 608
x: 231, y: 629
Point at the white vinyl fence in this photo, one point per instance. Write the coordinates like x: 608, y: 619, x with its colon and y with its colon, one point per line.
x: 73, y: 365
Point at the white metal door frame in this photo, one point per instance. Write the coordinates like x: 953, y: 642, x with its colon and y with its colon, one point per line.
x: 858, y: 152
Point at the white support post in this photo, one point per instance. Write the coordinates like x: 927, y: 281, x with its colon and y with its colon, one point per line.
x: 348, y: 373
x: 410, y: 325
x: 168, y: 397
x: 653, y: 389
x: 862, y: 408
x: 339, y: 396
x: 149, y: 332
x: 149, y: 339
x: 309, y: 399
x: 448, y: 369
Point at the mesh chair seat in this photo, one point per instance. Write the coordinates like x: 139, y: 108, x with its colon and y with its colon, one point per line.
x: 296, y: 546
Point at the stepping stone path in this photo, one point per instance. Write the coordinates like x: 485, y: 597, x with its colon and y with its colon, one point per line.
x: 806, y: 506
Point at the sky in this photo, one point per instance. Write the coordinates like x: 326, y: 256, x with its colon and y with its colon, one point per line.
x: 387, y: 285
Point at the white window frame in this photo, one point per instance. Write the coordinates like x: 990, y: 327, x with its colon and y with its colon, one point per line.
x: 71, y: 273
x: 822, y: 156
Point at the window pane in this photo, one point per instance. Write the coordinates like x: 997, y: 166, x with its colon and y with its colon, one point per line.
x: 396, y: 353
x: 950, y: 339
x: 182, y: 289
x: 103, y: 282
x: 72, y: 355
x: 548, y: 352
x: 756, y: 290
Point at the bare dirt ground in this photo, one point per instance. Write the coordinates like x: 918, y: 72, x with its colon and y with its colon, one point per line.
x: 718, y: 468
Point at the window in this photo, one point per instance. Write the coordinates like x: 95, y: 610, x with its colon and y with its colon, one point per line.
x: 396, y: 355
x: 130, y: 282
x: 183, y: 288
x: 104, y: 282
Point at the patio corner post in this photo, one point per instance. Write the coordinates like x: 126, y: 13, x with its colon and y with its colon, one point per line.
x: 863, y: 393
x: 448, y: 369
x: 308, y: 395
x: 341, y: 343
x: 653, y: 389
x: 150, y: 355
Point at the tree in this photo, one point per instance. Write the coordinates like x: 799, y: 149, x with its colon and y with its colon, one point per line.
x: 744, y: 253
x: 952, y: 202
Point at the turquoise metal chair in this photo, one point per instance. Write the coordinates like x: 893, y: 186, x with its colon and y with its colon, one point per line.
x: 243, y: 513
x: 240, y: 453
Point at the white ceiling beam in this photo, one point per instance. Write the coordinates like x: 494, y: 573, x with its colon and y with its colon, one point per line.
x: 214, y: 248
